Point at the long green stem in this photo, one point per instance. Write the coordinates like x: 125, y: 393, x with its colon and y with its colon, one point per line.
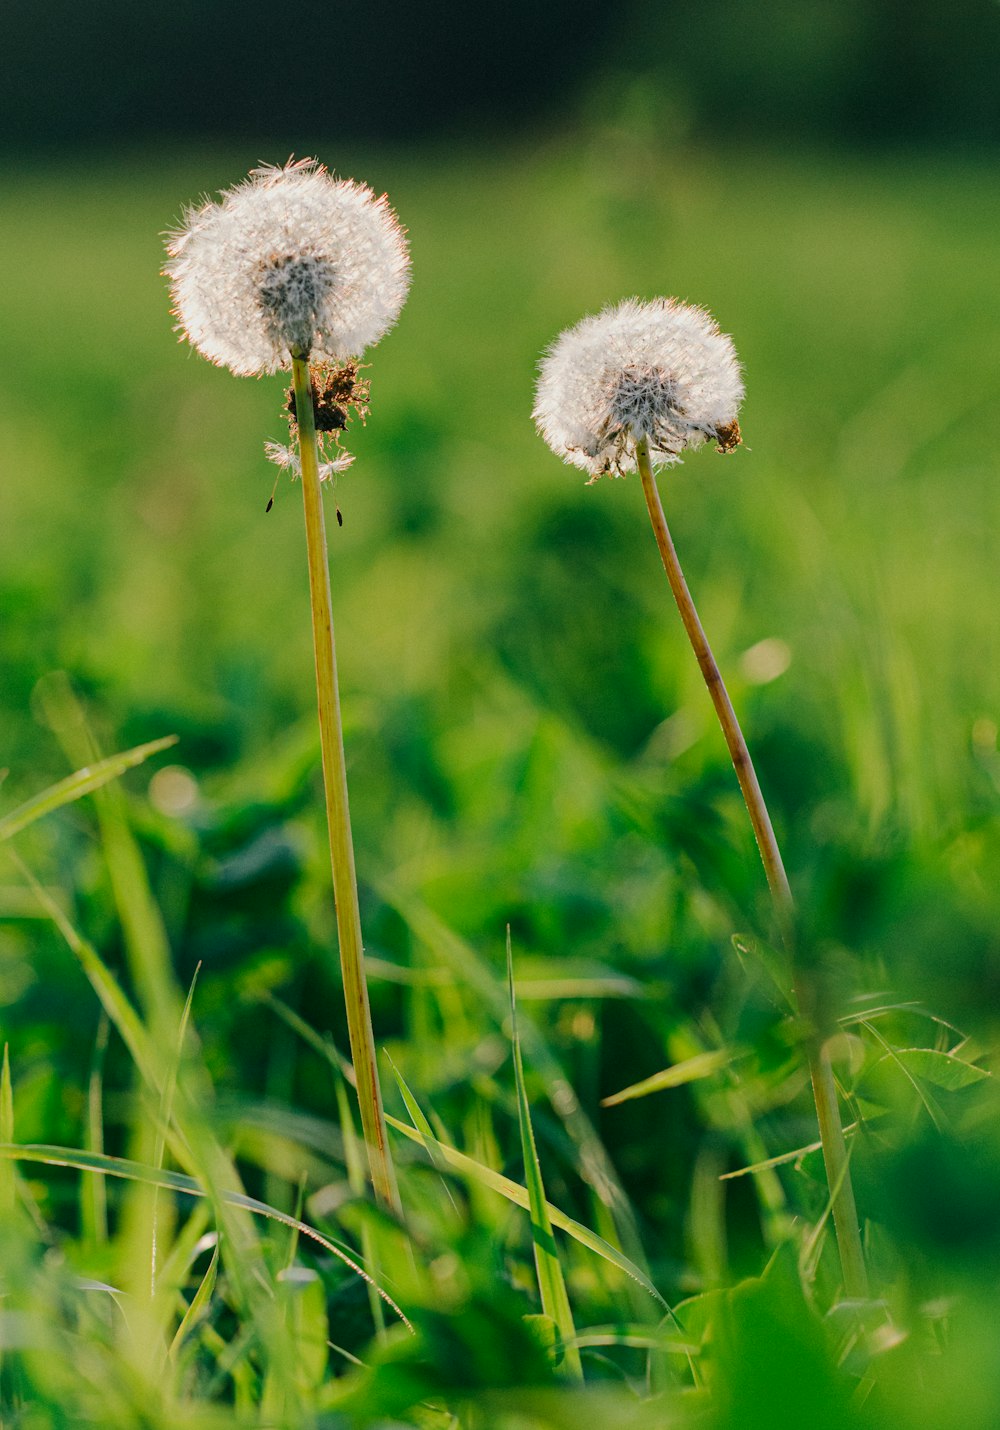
x: 345, y: 884
x: 831, y: 1133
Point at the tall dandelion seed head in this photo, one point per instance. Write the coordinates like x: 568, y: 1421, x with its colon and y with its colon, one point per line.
x: 291, y: 262
x: 660, y: 370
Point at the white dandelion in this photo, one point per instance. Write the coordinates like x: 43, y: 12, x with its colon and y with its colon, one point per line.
x: 661, y: 371
x: 632, y: 387
x: 291, y: 263
x: 295, y: 269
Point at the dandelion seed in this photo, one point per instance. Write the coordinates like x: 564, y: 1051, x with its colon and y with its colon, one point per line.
x: 292, y: 262
x: 290, y: 460
x: 661, y: 371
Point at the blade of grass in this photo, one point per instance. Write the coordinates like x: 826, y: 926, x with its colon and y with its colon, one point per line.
x: 121, y: 1167
x: 596, y: 1166
x: 199, y: 1304
x: 164, y: 1119
x: 8, y: 1173
x: 475, y: 1171
x: 84, y: 781
x: 146, y: 944
x: 95, y: 1202
x: 421, y: 1123
x: 116, y: 1005
x: 551, y: 1283
x: 357, y: 1181
x: 150, y: 965
x: 637, y: 1337
x: 690, y: 1070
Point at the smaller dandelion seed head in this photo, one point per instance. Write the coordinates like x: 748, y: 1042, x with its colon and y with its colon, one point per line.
x: 659, y: 370
x: 289, y: 460
x: 291, y: 262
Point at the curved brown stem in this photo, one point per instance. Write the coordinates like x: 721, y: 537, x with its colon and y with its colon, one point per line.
x: 831, y: 1133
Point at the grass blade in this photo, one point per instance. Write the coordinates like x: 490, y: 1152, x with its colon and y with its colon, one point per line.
x: 465, y: 964
x: 699, y: 1066
x: 420, y: 1122
x: 123, y: 1016
x: 8, y: 1173
x: 94, y: 1205
x: 84, y: 781
x: 198, y: 1306
x: 551, y: 1283
x: 475, y: 1171
x: 357, y: 1180
x: 121, y: 1167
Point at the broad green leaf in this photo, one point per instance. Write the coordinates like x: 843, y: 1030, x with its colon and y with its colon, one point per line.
x: 696, y: 1315
x: 84, y: 781
x: 304, y: 1299
x: 551, y: 1283
x: 128, y: 1171
x: 944, y: 1070
x: 690, y: 1070
x: 775, y: 963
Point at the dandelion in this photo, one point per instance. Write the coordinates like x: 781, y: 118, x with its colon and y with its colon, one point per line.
x: 291, y: 263
x: 635, y: 386
x: 294, y: 267
x: 661, y: 371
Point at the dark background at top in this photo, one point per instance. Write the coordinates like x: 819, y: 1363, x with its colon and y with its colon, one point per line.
x: 851, y: 71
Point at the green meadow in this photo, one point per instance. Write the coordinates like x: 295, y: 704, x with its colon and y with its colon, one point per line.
x: 530, y: 747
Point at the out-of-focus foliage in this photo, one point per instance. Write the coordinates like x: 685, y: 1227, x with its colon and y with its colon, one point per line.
x: 847, y: 71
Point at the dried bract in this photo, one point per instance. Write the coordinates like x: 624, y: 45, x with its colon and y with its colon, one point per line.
x: 335, y: 391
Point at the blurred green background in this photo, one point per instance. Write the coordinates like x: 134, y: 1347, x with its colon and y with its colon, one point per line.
x: 528, y: 738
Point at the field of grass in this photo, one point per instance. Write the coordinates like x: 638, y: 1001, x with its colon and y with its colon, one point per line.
x: 530, y: 745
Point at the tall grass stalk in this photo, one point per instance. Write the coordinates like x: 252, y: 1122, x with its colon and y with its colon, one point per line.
x: 345, y: 883
x: 831, y: 1132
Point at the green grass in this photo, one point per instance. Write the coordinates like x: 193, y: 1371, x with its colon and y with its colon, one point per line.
x: 528, y: 744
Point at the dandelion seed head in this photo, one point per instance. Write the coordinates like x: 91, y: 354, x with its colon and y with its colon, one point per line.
x: 290, y: 262
x: 660, y: 370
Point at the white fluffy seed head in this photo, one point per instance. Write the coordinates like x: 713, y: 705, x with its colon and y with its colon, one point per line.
x: 660, y: 370
x: 290, y: 262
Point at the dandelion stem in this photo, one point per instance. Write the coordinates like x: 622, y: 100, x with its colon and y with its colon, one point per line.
x: 345, y: 884
x: 820, y: 1070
